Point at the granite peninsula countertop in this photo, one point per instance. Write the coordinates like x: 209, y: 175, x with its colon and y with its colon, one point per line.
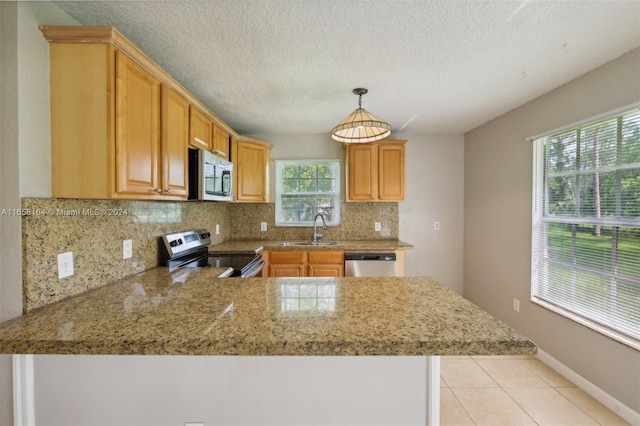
x: 251, y: 246
x: 190, y: 311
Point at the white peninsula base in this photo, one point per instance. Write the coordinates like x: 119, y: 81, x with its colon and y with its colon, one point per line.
x: 226, y: 390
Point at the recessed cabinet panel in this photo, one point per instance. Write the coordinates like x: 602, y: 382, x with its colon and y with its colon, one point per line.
x: 376, y: 171
x: 200, y: 129
x: 175, y: 139
x: 391, y: 172
x: 300, y: 263
x: 220, y: 142
x: 362, y: 172
x: 137, y: 128
x: 251, y: 168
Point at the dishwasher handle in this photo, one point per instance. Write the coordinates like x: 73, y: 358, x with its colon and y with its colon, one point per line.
x: 370, y: 256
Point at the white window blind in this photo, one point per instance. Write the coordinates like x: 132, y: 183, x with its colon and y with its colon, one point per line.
x: 586, y: 225
x: 305, y: 188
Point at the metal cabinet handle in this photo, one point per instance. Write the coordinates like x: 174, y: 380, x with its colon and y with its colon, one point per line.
x: 168, y: 190
x: 158, y: 190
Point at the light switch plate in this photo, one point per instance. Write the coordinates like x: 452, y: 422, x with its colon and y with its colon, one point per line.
x: 65, y: 265
x: 127, y: 249
x: 263, y: 226
x: 217, y: 229
x: 377, y: 226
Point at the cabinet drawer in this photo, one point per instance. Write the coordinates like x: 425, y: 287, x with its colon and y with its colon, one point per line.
x: 326, y: 257
x: 287, y: 257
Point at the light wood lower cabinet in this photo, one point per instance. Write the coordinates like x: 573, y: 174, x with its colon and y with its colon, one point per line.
x: 300, y: 263
x: 326, y: 264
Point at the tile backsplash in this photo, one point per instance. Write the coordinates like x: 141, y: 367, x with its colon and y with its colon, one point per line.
x: 93, y: 230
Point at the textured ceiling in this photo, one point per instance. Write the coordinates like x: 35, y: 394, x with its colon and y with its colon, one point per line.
x: 289, y: 66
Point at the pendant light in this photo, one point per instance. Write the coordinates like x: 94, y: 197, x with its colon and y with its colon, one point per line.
x: 360, y: 126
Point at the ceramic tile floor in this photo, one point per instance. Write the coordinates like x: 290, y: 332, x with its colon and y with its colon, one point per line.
x: 514, y: 390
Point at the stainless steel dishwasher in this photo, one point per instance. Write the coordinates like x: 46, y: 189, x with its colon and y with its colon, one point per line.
x: 370, y: 264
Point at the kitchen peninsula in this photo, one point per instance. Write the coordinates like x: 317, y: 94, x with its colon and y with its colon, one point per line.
x: 328, y: 320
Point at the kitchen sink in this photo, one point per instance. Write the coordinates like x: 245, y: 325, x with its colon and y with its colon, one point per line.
x: 307, y: 243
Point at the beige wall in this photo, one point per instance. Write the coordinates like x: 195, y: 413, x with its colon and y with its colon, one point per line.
x: 497, y: 223
x: 435, y: 185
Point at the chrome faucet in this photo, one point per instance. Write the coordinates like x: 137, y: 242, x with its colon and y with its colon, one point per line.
x: 316, y: 238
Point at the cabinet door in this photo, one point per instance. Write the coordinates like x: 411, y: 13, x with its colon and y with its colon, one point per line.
x: 391, y: 172
x: 251, y: 170
x: 220, y: 142
x: 363, y: 182
x: 319, y: 270
x: 175, y: 140
x: 200, y: 129
x: 278, y: 270
x: 137, y: 128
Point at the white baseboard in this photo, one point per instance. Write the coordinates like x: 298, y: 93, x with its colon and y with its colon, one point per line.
x: 601, y: 396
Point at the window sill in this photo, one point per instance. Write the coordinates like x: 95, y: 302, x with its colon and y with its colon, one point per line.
x: 606, y: 331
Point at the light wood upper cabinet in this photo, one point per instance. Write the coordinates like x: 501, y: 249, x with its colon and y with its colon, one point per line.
x: 120, y: 125
x: 175, y: 138
x: 251, y: 170
x: 200, y: 129
x: 220, y: 144
x: 137, y: 129
x: 106, y: 127
x: 376, y: 171
x: 391, y: 172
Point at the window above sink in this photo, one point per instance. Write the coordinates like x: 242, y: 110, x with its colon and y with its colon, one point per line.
x: 305, y: 188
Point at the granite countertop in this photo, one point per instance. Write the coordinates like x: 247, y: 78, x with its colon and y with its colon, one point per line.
x: 191, y: 311
x: 251, y: 246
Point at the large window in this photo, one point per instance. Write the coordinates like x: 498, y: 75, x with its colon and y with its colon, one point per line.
x: 586, y: 225
x: 305, y: 188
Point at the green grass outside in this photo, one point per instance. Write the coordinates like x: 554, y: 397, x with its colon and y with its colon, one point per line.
x: 590, y: 292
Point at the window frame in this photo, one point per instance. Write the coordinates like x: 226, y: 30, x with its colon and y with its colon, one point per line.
x: 543, y: 262
x: 336, y: 196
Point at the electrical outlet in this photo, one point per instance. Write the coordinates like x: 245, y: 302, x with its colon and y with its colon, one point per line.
x: 217, y: 229
x: 377, y: 226
x: 516, y: 305
x: 436, y: 226
x: 127, y: 249
x: 65, y: 265
x: 263, y: 226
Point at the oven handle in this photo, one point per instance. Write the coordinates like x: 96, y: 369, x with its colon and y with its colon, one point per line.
x: 254, y: 270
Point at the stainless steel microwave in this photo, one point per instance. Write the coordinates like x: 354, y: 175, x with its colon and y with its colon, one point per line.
x: 210, y: 177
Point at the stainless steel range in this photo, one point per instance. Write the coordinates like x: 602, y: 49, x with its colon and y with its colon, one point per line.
x: 190, y: 249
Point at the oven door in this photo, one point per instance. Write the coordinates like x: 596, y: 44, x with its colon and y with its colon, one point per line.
x: 253, y: 269
x: 195, y: 259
